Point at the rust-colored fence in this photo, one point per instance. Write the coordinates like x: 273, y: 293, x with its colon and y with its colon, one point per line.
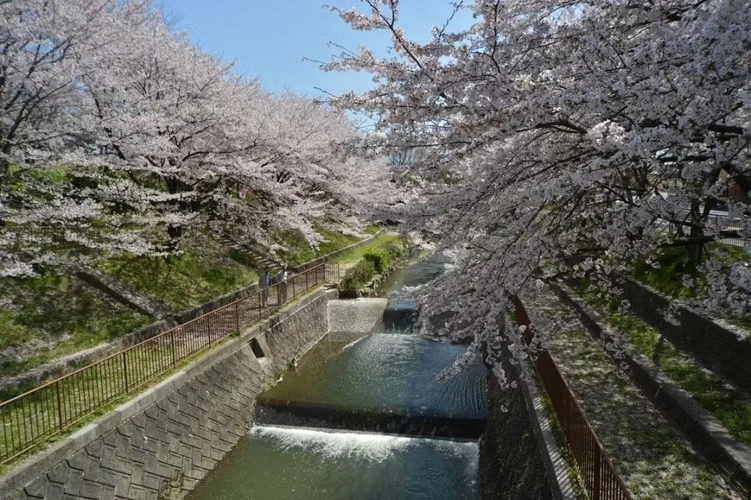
x: 597, y: 471
x: 35, y: 416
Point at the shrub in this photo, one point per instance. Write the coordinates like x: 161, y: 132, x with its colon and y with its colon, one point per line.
x: 379, y: 259
x: 359, y: 275
x: 394, y: 251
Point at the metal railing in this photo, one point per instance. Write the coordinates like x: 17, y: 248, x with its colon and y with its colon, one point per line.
x: 724, y: 229
x: 595, y: 467
x: 35, y: 416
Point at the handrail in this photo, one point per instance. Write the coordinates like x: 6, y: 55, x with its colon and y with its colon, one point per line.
x: 595, y: 467
x: 31, y: 418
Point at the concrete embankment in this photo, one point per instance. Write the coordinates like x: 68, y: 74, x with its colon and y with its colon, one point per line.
x: 160, y: 444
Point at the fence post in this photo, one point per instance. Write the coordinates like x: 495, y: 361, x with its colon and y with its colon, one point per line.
x: 59, y: 406
x: 208, y: 327
x: 237, y: 316
x: 596, y: 486
x: 125, y: 370
x: 294, y: 294
x: 567, y: 414
x: 172, y: 339
x: 306, y: 280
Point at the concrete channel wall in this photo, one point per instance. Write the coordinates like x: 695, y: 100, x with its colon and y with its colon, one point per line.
x: 160, y: 444
x: 717, y: 346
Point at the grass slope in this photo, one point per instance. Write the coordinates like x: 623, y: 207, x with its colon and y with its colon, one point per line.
x: 57, y: 309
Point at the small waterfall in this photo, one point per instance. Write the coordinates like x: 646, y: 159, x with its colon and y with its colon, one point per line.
x: 373, y: 447
x: 356, y: 316
x: 363, y: 415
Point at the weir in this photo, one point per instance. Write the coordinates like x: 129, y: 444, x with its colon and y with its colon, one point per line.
x: 365, y: 410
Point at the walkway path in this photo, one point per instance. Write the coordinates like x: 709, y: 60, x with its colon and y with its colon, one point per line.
x: 654, y: 460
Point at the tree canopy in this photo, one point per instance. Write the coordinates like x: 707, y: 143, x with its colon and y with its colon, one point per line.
x: 119, y: 135
x: 559, y: 139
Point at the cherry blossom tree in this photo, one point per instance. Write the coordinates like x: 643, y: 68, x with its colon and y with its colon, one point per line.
x: 121, y: 136
x: 46, y: 50
x: 563, y: 138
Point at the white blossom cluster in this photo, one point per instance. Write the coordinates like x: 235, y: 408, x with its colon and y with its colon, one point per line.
x: 118, y: 135
x: 558, y: 139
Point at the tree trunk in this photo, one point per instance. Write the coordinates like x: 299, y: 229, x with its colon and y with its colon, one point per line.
x: 696, y: 250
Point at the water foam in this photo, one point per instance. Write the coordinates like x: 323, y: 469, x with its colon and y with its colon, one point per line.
x: 358, y: 315
x: 373, y: 447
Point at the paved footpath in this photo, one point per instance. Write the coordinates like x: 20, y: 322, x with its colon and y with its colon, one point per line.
x: 653, y: 459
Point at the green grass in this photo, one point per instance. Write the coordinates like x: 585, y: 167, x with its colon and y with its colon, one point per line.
x: 372, y: 229
x: 58, y: 308
x: 298, y: 251
x: 202, y: 272
x: 87, y: 397
x: 672, y: 265
x: 356, y: 254
x: 727, y: 405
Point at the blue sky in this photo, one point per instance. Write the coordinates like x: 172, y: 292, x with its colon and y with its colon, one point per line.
x: 269, y: 39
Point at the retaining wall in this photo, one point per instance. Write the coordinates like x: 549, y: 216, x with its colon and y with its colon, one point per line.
x: 731, y: 457
x: 715, y: 345
x: 512, y: 451
x: 159, y: 445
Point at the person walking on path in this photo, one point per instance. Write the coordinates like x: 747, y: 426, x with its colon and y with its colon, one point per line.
x: 281, y: 279
x: 264, y: 281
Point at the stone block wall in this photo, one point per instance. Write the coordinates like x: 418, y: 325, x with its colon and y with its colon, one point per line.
x: 511, y: 460
x: 715, y: 345
x: 162, y: 443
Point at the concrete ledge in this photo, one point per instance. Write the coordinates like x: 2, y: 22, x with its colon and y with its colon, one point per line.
x: 26, y: 472
x: 706, y: 432
x: 557, y: 468
x: 723, y: 348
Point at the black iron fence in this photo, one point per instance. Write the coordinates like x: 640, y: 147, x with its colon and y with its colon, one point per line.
x: 597, y: 471
x: 35, y: 416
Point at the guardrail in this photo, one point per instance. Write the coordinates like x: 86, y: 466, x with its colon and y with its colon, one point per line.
x: 600, y: 477
x: 35, y: 416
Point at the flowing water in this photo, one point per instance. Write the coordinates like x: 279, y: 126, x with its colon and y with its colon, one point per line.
x: 314, y: 435
x: 309, y: 464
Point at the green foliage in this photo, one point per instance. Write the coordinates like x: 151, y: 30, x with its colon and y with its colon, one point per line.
x: 379, y: 259
x: 672, y: 264
x: 394, y: 250
x: 58, y: 308
x: 358, y: 276
x: 372, y: 229
x: 298, y: 250
x: 199, y: 274
x: 374, y: 258
x: 380, y: 241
